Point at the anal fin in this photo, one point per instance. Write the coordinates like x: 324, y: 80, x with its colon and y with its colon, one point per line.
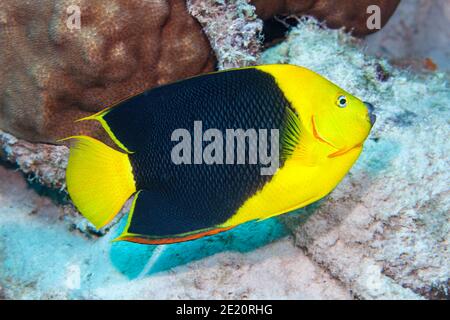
x: 156, y: 219
x: 175, y: 239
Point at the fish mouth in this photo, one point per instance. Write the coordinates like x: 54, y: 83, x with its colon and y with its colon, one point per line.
x: 370, y: 113
x: 339, y: 152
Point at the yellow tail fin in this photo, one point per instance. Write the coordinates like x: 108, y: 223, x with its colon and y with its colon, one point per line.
x: 99, y: 179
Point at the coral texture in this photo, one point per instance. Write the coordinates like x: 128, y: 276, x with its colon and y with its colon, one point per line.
x: 52, y: 74
x: 233, y: 30
x: 384, y: 231
x: 342, y: 13
x: 42, y: 162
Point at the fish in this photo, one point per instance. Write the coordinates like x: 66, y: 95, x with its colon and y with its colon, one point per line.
x: 319, y: 128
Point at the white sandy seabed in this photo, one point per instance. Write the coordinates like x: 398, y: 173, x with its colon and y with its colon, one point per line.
x: 383, y: 233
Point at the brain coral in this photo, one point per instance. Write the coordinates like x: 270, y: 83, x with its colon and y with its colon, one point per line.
x: 53, y: 73
x: 337, y: 13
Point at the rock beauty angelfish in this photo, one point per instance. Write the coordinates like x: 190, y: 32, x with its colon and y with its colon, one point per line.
x: 322, y: 129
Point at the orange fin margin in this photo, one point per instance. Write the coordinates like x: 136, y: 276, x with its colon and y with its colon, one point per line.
x: 175, y: 240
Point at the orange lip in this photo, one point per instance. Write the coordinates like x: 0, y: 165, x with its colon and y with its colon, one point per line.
x: 343, y: 151
x: 339, y: 152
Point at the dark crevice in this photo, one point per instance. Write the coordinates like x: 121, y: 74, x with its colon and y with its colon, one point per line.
x: 276, y: 28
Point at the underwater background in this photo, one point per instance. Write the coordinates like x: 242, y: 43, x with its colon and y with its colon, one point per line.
x: 383, y: 233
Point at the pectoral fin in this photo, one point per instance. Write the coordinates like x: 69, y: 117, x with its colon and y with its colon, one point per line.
x: 295, y: 143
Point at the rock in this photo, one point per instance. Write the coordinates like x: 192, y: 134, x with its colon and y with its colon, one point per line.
x: 232, y: 28
x: 351, y: 15
x: 44, y: 163
x: 384, y: 231
x: 52, y: 75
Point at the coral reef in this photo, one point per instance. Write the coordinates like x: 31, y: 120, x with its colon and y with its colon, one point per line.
x: 384, y: 231
x: 54, y: 73
x: 232, y: 28
x: 352, y: 15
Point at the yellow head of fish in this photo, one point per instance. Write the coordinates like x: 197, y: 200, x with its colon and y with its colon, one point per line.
x: 336, y: 119
x: 331, y: 125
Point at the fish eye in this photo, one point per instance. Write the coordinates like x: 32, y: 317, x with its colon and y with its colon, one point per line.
x: 341, y: 101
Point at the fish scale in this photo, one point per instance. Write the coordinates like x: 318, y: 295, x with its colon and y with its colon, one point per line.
x: 197, y: 190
